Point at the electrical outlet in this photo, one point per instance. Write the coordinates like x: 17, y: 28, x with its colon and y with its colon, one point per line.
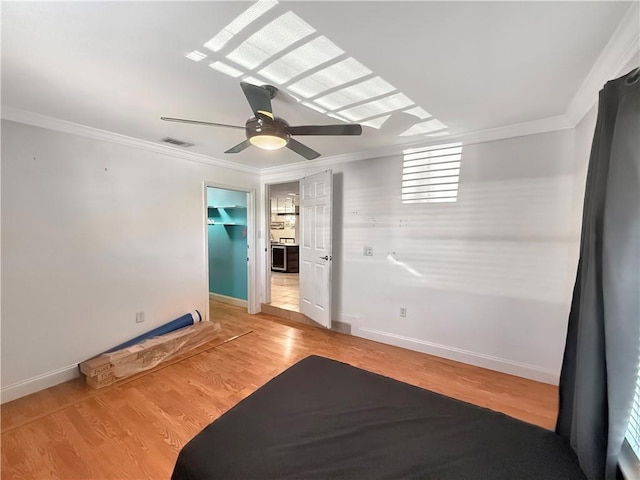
x: 403, y: 312
x: 367, y: 251
x: 139, y: 317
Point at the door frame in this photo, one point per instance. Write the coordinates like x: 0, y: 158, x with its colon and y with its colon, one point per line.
x: 267, y: 242
x: 253, y: 304
x: 267, y: 239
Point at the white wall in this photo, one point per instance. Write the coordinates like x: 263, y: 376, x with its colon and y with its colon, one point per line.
x: 486, y: 280
x: 93, y: 232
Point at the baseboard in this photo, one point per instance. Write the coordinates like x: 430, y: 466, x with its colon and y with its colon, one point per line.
x: 532, y: 372
x: 284, y: 313
x: 341, y: 327
x: 230, y: 300
x: 35, y: 384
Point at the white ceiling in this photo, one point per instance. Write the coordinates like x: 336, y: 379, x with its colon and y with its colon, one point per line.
x: 119, y: 66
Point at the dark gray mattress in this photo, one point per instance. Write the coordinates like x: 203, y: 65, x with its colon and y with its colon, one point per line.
x: 326, y: 419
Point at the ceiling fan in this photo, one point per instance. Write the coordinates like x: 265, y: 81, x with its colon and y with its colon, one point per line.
x: 269, y: 132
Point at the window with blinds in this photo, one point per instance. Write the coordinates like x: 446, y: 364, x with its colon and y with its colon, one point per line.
x: 633, y: 433
x: 431, y: 174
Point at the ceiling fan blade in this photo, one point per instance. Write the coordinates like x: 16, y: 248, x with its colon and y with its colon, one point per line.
x: 259, y: 99
x: 347, y: 129
x: 301, y: 149
x: 238, y: 148
x: 198, y: 122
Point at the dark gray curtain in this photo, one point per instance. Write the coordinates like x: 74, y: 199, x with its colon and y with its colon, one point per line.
x: 600, y: 363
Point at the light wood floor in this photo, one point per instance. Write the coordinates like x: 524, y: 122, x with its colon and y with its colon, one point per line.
x: 135, y: 430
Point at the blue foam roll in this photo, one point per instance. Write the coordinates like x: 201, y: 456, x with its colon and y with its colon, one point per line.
x: 183, y: 321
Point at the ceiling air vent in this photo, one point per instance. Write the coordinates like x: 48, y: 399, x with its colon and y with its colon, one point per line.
x: 177, y: 143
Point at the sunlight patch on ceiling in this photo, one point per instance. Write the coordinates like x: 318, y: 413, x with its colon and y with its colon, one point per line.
x: 196, y: 56
x: 288, y: 52
x: 374, y: 87
x: 226, y: 69
x: 253, y: 81
x: 376, y: 122
x: 337, y: 117
x: 335, y: 75
x: 377, y: 107
x: 419, y: 112
x: 239, y: 23
x: 313, y: 106
x: 424, y: 127
x: 313, y: 53
x: 271, y: 39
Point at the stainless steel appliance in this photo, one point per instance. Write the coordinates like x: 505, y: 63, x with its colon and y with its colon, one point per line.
x: 279, y: 258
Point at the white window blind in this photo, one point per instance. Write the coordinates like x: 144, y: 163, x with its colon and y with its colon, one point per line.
x: 431, y: 174
x: 633, y: 433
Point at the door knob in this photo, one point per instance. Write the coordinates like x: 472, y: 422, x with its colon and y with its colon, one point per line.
x: 326, y: 257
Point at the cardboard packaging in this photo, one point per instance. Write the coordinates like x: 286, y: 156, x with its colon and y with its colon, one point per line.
x: 107, y: 368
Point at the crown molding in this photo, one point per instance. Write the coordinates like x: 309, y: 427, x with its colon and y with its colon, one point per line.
x: 499, y: 133
x: 43, y: 121
x: 619, y: 51
x: 558, y: 122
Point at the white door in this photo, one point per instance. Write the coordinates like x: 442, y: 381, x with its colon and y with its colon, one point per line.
x: 315, y: 247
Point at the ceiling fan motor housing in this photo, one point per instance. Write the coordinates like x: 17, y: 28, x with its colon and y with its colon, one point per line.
x: 257, y: 127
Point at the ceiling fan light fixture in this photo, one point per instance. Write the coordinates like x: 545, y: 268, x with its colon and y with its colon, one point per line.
x: 268, y: 132
x: 268, y: 142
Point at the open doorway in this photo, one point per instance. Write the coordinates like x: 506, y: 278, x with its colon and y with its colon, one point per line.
x: 228, y: 245
x: 284, y: 248
x: 305, y: 207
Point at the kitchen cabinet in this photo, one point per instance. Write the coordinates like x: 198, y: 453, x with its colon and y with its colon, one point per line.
x: 284, y: 206
x: 285, y: 258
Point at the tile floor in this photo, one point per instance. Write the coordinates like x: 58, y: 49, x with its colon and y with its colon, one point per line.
x: 285, y: 291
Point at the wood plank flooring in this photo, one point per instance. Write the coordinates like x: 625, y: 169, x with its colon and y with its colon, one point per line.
x: 56, y: 398
x: 135, y: 430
